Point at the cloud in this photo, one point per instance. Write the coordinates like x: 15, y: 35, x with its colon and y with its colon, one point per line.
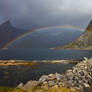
x: 38, y: 13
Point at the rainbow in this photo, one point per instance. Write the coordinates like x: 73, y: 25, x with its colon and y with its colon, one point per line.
x: 42, y: 28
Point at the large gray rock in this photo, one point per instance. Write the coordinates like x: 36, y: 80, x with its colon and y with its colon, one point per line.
x: 42, y: 79
x: 21, y: 85
x: 30, y: 85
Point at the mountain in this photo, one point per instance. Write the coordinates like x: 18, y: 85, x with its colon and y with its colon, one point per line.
x: 41, y: 38
x: 82, y: 42
x: 47, y: 38
x: 8, y: 33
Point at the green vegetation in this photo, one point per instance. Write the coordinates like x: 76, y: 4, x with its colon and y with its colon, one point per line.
x: 7, y: 89
x: 71, y: 45
x: 89, y: 44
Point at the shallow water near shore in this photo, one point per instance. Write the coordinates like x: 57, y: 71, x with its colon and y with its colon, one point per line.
x: 42, y: 54
x: 13, y: 75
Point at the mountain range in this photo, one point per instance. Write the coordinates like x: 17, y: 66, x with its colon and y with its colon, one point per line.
x: 49, y: 38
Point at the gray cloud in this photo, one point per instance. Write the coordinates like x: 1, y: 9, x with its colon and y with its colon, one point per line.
x: 39, y: 13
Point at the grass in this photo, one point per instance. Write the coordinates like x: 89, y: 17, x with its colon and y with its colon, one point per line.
x: 71, y: 45
x: 7, y: 89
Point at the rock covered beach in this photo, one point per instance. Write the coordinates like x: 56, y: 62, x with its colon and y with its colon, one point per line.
x: 77, y: 78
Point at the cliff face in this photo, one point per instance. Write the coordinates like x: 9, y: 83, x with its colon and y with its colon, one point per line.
x: 8, y: 33
x: 84, y: 41
x: 5, y: 33
x: 89, y: 28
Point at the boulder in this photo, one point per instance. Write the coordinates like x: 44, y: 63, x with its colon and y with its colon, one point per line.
x: 51, y: 77
x: 42, y: 79
x: 30, y: 85
x: 21, y: 85
x: 51, y: 83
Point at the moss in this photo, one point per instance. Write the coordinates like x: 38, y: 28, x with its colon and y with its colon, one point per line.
x: 5, y: 72
x: 89, y: 44
x: 71, y: 45
x: 7, y: 89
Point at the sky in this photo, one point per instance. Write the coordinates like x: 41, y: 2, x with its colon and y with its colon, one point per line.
x: 41, y: 13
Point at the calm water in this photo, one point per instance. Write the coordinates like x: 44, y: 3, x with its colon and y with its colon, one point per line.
x: 13, y: 75
x: 43, y: 54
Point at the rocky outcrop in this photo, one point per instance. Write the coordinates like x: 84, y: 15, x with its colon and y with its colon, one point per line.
x: 83, y: 42
x: 30, y: 85
x: 79, y: 77
x: 89, y: 27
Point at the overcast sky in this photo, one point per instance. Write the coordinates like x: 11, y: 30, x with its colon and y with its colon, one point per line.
x: 42, y: 13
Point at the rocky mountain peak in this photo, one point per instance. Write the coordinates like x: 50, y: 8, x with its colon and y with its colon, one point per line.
x: 82, y: 42
x: 89, y: 27
x: 6, y: 24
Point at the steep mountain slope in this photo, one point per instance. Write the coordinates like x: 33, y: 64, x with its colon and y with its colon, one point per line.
x: 8, y: 33
x: 83, y: 42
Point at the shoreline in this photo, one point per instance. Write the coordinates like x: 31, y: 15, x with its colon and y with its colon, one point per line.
x: 73, y: 79
x: 33, y: 62
x: 61, y: 48
x: 77, y: 78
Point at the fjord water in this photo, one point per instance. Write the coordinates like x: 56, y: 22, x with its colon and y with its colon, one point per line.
x: 22, y: 49
x: 13, y: 75
x: 42, y: 54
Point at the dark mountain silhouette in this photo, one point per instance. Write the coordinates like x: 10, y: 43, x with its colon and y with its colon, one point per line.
x: 47, y: 38
x: 82, y: 42
x: 8, y: 33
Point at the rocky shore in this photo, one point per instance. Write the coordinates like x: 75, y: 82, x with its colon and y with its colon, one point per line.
x: 77, y: 78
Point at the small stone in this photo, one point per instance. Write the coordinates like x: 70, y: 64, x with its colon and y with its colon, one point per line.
x: 45, y: 83
x: 58, y: 76
x: 43, y: 78
x: 85, y: 58
x: 45, y: 87
x: 56, y: 86
x: 51, y: 83
x: 51, y: 77
x: 86, y: 85
x: 21, y: 85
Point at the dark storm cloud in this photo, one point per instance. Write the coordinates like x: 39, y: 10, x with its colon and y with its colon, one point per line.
x: 38, y: 13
